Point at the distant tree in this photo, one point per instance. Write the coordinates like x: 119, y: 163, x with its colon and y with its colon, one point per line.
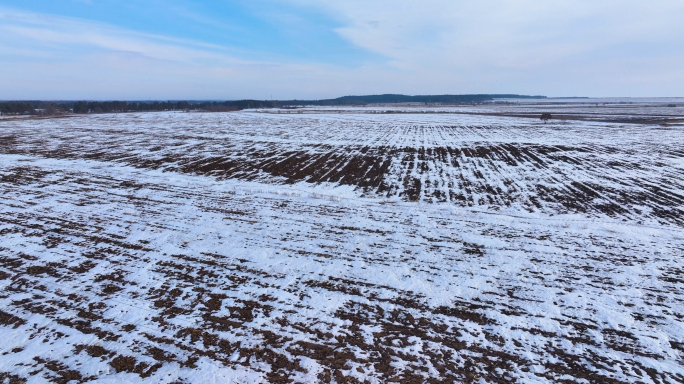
x: 545, y: 117
x: 81, y: 107
x: 51, y: 109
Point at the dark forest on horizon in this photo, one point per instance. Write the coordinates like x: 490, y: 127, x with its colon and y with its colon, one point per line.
x: 38, y: 107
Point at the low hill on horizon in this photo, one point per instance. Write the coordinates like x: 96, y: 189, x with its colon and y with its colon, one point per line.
x: 398, y: 98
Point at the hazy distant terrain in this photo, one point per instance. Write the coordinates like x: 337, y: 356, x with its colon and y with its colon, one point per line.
x: 373, y: 244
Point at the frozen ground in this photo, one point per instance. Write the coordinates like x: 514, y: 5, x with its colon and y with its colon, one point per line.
x: 340, y: 247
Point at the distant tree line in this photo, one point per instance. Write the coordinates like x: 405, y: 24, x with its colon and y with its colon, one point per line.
x: 129, y: 106
x: 33, y: 107
x: 17, y: 109
x: 81, y: 107
x: 142, y: 106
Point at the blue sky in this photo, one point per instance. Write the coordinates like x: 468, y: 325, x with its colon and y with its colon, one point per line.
x: 250, y: 29
x: 222, y: 49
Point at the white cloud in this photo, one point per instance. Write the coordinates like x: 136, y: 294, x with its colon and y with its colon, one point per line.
x: 501, y: 33
x: 584, y: 47
x: 57, y: 32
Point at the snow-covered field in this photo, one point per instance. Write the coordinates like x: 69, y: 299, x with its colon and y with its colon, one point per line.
x: 341, y: 247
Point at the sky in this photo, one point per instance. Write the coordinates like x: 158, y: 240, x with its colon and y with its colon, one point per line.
x: 307, y: 49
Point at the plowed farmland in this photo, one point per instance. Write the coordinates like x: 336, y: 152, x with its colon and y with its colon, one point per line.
x: 346, y: 246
